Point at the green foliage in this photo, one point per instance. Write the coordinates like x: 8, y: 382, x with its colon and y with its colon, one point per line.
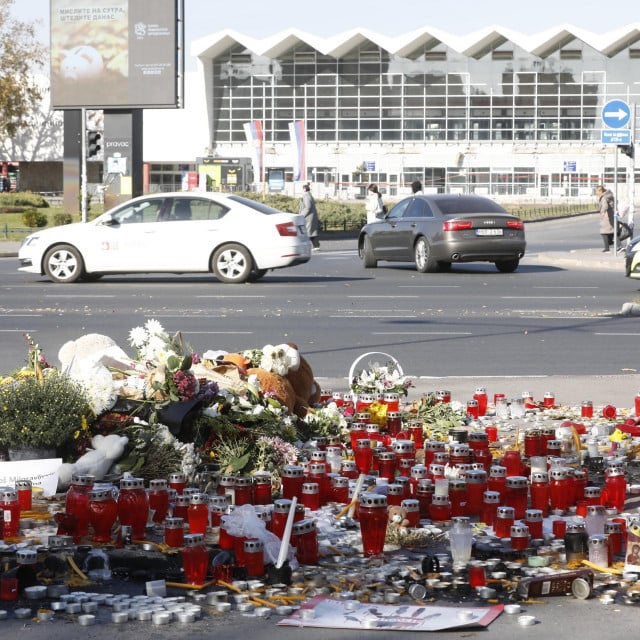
x: 23, y: 199
x: 62, y: 218
x: 34, y: 218
x: 20, y: 57
x: 41, y: 413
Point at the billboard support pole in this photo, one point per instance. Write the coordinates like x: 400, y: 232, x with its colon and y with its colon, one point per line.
x: 83, y: 166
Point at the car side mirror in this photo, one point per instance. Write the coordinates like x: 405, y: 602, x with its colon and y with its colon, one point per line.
x: 111, y: 222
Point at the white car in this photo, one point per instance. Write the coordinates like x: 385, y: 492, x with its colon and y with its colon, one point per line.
x: 184, y: 232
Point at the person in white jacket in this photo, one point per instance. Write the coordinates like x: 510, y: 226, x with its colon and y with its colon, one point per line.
x: 374, y: 206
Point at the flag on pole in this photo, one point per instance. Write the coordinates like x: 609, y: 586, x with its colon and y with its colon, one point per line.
x: 298, y: 137
x: 255, y: 138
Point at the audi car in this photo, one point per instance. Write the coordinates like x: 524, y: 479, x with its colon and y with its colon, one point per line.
x: 436, y: 231
x: 235, y: 238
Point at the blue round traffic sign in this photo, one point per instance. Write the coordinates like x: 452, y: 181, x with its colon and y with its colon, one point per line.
x: 616, y: 114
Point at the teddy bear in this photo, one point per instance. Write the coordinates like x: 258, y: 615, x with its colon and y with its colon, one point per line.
x: 96, y: 461
x: 397, y: 517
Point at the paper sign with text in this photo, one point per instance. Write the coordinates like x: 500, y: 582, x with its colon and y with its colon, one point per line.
x: 42, y: 473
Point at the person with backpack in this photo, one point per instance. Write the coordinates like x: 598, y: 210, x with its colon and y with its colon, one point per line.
x: 374, y: 206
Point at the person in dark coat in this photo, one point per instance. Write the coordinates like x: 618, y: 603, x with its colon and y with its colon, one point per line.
x: 308, y: 210
x: 607, y: 208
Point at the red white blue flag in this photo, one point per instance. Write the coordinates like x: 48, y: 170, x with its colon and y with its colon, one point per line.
x: 255, y: 138
x: 299, y: 144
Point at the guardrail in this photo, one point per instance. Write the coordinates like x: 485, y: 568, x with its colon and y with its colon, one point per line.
x: 14, y: 230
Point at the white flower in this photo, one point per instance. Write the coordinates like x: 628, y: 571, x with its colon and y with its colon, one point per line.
x: 154, y: 327
x: 137, y: 337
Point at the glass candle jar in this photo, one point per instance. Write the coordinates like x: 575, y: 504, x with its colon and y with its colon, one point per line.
x: 532, y: 442
x: 595, y: 519
x: 490, y: 503
x: 580, y: 480
x: 497, y: 480
x: 395, y: 494
x: 311, y: 495
x: 292, y: 477
x: 77, y: 503
x: 517, y: 495
x: 24, y: 490
x: 198, y: 513
x: 440, y: 510
x: 411, y: 507
x: 459, y: 454
x: 217, y: 507
x: 279, y: 515
x: 598, y: 550
x: 533, y: 518
x: 458, y: 497
x: 559, y: 489
x: 373, y: 517
x: 519, y: 536
x: 476, y: 486
x: 10, y: 508
x: 576, y: 542
x: 477, y: 576
x: 424, y: 494
x: 586, y: 409
x: 443, y: 395
x: 254, y: 557
x: 180, y: 510
x: 133, y: 506
x: 174, y: 532
x: 613, y: 530
x: 103, y: 512
x: 261, y: 488
x: 417, y: 472
x: 304, y: 537
x: 404, y: 450
x: 416, y: 433
x: 387, y: 465
x: 158, y: 499
x: 392, y: 400
x: 503, y: 522
x: 615, y: 488
x: 349, y: 470
x: 394, y: 423
x: 177, y: 481
x: 357, y: 431
x: 480, y: 396
x: 512, y: 462
x: 472, y: 409
x: 340, y: 489
x: 363, y: 454
x: 430, y: 449
x: 318, y: 473
x: 195, y: 559
x: 242, y: 488
x: 226, y: 487
x: 592, y: 495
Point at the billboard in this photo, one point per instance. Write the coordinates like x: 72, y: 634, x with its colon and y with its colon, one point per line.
x: 115, y: 53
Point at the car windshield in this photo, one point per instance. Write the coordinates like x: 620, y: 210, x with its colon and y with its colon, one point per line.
x: 258, y: 206
x: 456, y: 205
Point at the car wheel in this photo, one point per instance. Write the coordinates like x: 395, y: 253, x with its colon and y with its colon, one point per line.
x: 63, y: 263
x: 256, y: 274
x: 444, y: 266
x: 366, y: 254
x: 232, y: 264
x: 507, y: 266
x: 422, y: 253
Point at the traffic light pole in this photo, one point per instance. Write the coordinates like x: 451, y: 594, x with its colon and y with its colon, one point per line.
x: 83, y: 169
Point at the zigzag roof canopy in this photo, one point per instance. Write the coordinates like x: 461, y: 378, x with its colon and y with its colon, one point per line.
x: 476, y: 44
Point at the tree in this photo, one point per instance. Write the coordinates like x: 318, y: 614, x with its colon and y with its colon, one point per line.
x: 21, y: 56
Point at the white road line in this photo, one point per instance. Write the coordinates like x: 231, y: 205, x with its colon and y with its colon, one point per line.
x: 21, y: 315
x: 229, y: 296
x: 429, y: 286
x: 383, y: 297
x: 220, y: 333
x: 564, y: 287
x: 74, y: 295
x: 616, y: 334
x: 539, y: 297
x: 421, y: 333
x: 373, y: 316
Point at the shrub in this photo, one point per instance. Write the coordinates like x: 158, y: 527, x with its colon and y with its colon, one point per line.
x: 23, y: 199
x: 41, y: 413
x: 34, y: 218
x: 62, y: 218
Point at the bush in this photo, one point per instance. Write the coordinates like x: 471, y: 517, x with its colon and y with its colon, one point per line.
x: 34, y: 218
x: 23, y: 199
x: 62, y: 218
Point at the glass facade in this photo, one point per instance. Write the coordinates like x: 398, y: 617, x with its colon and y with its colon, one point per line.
x: 433, y: 97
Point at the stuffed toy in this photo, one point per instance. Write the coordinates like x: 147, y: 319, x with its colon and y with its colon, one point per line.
x: 276, y: 386
x: 307, y: 390
x: 397, y: 517
x: 95, y: 462
x: 93, y: 348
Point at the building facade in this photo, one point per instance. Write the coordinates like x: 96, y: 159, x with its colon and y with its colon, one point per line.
x: 497, y: 112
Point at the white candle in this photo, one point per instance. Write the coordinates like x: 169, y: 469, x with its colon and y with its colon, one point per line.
x: 356, y: 494
x: 286, y: 536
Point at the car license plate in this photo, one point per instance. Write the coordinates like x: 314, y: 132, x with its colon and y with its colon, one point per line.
x: 488, y: 232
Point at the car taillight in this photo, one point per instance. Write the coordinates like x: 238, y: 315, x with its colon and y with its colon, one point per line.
x: 456, y: 225
x: 515, y: 224
x: 287, y: 229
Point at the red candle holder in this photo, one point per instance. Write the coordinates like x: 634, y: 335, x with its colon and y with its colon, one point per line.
x: 103, y: 513
x: 373, y: 517
x: 195, y: 559
x: 24, y: 490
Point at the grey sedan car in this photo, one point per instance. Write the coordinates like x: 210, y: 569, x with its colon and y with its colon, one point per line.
x: 435, y: 231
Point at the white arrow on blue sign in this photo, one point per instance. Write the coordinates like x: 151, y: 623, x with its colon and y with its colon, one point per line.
x: 616, y: 114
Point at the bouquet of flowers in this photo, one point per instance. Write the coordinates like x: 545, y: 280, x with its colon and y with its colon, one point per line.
x: 386, y: 378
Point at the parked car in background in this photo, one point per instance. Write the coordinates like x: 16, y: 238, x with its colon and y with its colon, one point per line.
x: 436, y: 231
x: 235, y: 238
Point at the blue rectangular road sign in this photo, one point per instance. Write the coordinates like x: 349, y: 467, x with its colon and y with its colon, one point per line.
x: 616, y: 136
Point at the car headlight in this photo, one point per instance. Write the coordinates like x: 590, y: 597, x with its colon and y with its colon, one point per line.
x: 30, y: 240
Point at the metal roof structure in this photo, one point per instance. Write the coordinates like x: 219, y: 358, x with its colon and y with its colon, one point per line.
x: 476, y: 44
